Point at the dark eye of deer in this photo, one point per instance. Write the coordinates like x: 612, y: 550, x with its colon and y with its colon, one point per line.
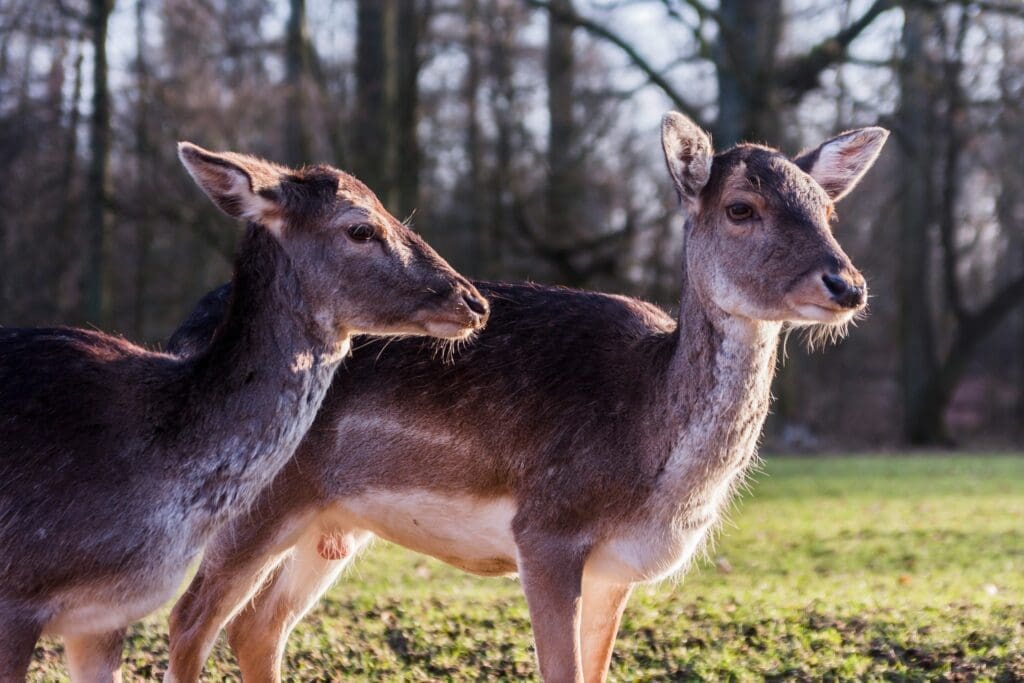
x: 739, y: 212
x: 361, y: 232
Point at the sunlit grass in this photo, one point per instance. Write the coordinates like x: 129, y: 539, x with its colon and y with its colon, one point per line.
x: 888, y: 568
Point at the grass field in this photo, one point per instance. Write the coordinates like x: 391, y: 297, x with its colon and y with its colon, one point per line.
x: 835, y: 568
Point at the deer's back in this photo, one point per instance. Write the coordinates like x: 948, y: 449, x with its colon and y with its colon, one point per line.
x: 553, y: 394
x: 76, y: 426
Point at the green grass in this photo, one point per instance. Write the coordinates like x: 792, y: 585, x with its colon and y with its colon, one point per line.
x: 842, y: 568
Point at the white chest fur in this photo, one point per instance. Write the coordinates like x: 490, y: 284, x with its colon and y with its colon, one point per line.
x: 648, y: 552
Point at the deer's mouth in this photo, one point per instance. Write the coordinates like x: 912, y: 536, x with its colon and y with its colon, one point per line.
x: 457, y: 319
x: 821, y: 312
x: 446, y: 328
x: 456, y: 322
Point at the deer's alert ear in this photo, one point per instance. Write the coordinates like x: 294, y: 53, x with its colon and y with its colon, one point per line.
x: 688, y: 154
x: 241, y: 186
x: 838, y: 164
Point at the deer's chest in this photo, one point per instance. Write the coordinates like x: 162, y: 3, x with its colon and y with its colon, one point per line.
x: 665, y: 539
x: 646, y: 552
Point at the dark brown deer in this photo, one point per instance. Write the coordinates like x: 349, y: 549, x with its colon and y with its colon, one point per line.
x: 585, y: 441
x: 118, y: 463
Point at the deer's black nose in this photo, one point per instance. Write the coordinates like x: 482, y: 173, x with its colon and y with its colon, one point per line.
x: 843, y: 292
x: 476, y: 305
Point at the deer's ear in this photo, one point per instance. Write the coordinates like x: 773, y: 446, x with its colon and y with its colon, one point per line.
x: 688, y: 155
x: 241, y: 186
x: 839, y: 164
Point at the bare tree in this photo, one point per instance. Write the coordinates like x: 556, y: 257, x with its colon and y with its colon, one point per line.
x: 369, y: 135
x: 298, y: 146
x: 406, y: 21
x: 98, y: 271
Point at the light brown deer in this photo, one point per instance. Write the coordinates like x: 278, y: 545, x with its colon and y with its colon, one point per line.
x: 586, y: 441
x: 118, y: 463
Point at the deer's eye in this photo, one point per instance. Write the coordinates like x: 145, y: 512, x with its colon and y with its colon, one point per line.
x: 739, y: 212
x: 361, y: 232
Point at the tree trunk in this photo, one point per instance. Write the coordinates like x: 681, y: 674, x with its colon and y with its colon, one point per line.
x: 405, y: 22
x: 298, y: 146
x: 746, y: 56
x: 369, y: 141
x: 144, y: 175
x: 916, y: 128
x: 564, y: 184
x: 1020, y: 368
x: 98, y: 307
x: 476, y: 230
x: 64, y: 295
x: 502, y: 22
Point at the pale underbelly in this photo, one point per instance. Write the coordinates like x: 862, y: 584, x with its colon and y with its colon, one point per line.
x: 103, y: 608
x: 471, y: 533
x: 475, y: 534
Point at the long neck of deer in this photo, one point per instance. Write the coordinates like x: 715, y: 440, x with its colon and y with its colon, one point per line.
x: 718, y: 391
x: 259, y: 385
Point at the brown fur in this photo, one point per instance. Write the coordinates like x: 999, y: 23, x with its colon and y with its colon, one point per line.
x: 613, y: 431
x: 118, y: 463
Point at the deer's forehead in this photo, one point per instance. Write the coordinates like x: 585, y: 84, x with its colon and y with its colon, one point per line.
x: 353, y: 195
x: 353, y: 190
x: 776, y: 179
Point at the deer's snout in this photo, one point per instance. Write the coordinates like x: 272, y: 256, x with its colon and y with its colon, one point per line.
x: 845, y: 290
x: 454, y: 311
x: 477, y: 305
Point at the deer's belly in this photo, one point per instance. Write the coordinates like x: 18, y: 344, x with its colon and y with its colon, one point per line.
x: 92, y: 609
x: 645, y: 553
x: 474, y: 534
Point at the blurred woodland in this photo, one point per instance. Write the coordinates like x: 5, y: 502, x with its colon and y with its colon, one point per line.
x: 521, y: 136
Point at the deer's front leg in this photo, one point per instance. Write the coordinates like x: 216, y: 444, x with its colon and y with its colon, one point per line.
x: 18, y: 635
x: 552, y: 581
x: 95, y: 658
x: 603, y: 604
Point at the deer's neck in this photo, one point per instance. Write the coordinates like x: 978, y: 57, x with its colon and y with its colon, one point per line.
x: 256, y: 389
x: 718, y: 391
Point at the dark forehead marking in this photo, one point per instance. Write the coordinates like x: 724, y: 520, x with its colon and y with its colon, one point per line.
x: 772, y: 175
x: 320, y: 182
x: 318, y: 190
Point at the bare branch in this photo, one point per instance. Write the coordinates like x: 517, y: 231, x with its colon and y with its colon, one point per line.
x: 1009, y: 7
x: 575, y: 19
x: 800, y: 75
x: 69, y: 12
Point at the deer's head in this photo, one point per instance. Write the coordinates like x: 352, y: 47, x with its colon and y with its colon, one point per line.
x: 759, y: 242
x: 361, y: 270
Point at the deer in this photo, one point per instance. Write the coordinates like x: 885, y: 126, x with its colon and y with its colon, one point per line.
x: 118, y: 463
x: 587, y: 442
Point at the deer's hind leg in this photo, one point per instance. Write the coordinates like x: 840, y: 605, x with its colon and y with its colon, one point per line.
x: 258, y: 634
x: 95, y: 657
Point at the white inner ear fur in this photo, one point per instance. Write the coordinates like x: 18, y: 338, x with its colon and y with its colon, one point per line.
x: 230, y: 187
x: 689, y: 166
x: 688, y: 154
x: 844, y: 160
x: 255, y: 207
